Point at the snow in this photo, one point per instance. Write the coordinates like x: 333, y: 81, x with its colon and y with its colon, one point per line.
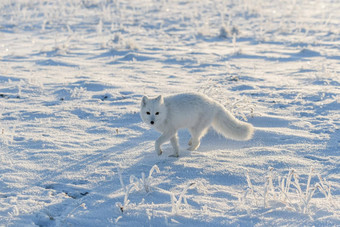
x: 74, y: 151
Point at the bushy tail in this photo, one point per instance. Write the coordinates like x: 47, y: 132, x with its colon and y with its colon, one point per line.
x: 230, y: 127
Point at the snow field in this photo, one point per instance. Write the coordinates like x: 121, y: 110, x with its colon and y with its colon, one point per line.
x: 74, y: 151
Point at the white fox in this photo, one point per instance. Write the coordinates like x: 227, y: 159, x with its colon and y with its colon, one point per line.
x: 195, y: 112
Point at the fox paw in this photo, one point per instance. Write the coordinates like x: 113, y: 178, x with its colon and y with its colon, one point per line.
x: 174, y: 155
x: 159, y: 152
x: 192, y: 148
x: 190, y: 142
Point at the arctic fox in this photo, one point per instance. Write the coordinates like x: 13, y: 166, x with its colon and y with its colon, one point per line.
x: 195, y: 112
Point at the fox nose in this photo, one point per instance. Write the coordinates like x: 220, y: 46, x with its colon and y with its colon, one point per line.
x: 152, y: 122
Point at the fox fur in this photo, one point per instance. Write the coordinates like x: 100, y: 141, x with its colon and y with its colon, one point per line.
x: 197, y: 113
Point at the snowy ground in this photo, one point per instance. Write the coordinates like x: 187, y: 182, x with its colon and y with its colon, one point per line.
x: 73, y: 149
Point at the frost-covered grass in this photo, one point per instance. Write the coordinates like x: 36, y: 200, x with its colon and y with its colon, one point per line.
x: 288, y: 191
x: 136, y: 185
x: 74, y: 151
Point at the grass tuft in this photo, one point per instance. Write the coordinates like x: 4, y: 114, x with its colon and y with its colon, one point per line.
x: 287, y: 191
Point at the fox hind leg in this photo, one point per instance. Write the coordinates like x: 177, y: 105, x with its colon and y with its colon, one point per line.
x: 198, y: 131
x: 196, y: 135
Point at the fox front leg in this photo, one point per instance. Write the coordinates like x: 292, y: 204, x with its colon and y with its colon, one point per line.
x: 162, y: 139
x: 158, y: 148
x: 190, y: 142
x: 175, y: 145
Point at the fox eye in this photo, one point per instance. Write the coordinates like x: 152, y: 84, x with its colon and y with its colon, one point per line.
x: 156, y: 113
x: 148, y: 113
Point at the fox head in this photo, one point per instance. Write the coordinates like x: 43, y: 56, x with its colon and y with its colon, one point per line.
x: 153, y: 111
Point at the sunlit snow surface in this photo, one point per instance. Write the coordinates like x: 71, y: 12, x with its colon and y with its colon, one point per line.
x: 74, y: 151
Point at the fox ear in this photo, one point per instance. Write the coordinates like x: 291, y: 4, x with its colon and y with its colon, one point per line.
x: 145, y: 99
x: 160, y: 99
